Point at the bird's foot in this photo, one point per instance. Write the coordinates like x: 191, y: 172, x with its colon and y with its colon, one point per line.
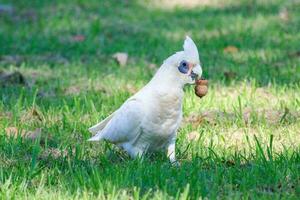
x: 176, y: 163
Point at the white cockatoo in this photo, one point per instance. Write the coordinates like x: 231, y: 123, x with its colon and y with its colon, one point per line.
x: 148, y: 121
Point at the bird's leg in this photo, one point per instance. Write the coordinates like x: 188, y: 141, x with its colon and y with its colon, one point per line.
x: 132, y: 151
x: 171, y: 153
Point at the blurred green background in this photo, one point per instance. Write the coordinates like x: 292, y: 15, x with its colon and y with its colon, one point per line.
x: 265, y: 33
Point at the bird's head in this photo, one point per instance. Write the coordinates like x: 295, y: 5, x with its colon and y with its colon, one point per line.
x: 185, y: 65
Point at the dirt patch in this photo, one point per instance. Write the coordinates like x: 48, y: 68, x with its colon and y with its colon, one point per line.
x: 269, y: 116
x: 211, y: 117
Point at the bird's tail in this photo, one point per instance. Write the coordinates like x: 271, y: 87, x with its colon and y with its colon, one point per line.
x: 96, y: 137
x: 96, y: 129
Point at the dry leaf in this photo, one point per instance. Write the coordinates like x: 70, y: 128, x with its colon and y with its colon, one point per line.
x: 230, y: 49
x: 192, y: 136
x: 284, y: 14
x: 31, y: 116
x: 121, y: 58
x: 78, y: 38
x: 15, y: 132
x: 33, y: 135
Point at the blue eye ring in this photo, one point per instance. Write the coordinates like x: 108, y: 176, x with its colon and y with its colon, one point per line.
x: 183, y: 67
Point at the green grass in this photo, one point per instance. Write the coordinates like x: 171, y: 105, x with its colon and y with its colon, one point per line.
x: 248, y: 124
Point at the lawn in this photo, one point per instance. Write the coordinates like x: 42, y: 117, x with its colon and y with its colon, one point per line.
x: 240, y: 141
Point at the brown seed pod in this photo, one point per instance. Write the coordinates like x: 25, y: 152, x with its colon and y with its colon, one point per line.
x: 201, y: 88
x: 202, y: 82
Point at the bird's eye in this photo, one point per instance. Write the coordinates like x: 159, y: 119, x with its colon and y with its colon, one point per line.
x: 183, y: 67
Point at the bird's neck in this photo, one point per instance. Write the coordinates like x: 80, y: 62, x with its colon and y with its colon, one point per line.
x: 166, y: 78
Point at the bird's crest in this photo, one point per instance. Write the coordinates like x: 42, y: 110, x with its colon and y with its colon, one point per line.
x: 189, y: 53
x: 190, y: 49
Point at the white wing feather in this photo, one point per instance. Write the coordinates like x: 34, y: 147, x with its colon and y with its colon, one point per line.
x: 124, y: 124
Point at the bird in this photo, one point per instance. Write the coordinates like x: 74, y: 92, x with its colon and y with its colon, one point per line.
x: 149, y: 120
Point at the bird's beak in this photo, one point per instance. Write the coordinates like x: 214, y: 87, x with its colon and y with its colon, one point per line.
x: 196, y: 72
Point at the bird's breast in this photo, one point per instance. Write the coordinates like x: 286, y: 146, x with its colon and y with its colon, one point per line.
x: 161, y: 120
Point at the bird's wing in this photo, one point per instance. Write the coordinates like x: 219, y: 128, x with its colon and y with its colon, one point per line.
x: 124, y: 125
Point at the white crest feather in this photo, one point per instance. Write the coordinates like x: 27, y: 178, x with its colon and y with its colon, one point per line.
x: 191, y: 50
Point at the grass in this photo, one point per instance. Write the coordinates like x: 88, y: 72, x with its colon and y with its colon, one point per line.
x: 248, y: 124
